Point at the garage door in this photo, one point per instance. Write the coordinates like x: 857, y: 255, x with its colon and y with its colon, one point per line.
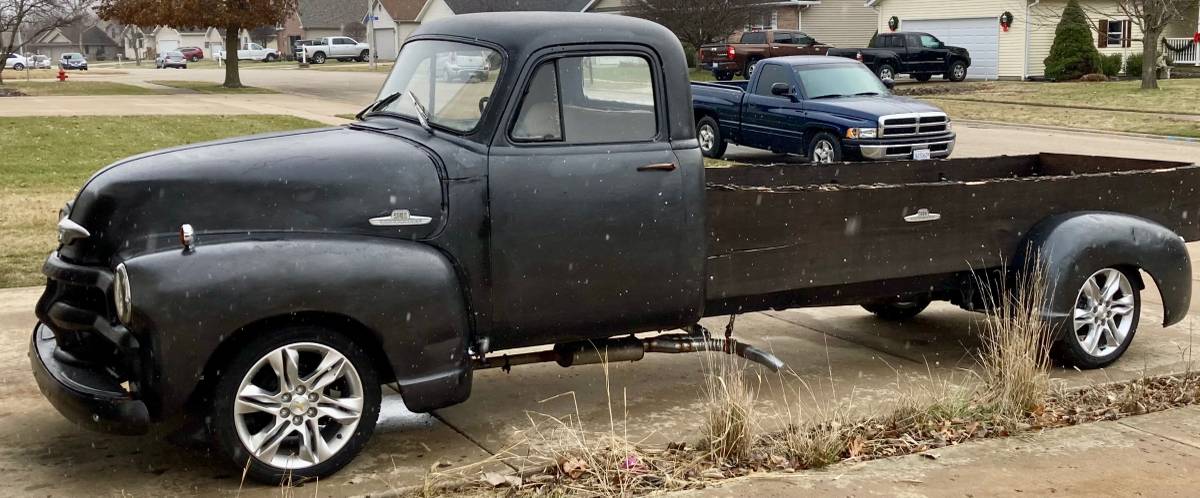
x: 385, y: 43
x: 980, y: 36
x: 165, y: 46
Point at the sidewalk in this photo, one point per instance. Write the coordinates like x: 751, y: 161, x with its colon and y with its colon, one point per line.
x: 1149, y: 455
x: 319, y: 110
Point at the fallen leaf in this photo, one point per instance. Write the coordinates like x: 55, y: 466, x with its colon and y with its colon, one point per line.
x: 572, y: 467
x: 496, y: 479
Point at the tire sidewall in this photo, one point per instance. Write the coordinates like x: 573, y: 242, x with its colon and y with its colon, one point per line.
x: 718, y: 148
x: 221, y: 420
x: 1066, y: 348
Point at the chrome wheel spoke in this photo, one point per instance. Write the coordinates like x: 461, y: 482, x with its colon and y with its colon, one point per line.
x: 1112, y: 283
x: 1092, y: 341
x: 327, y: 372
x: 1083, y: 318
x: 1122, y: 306
x: 254, y: 399
x: 342, y: 410
x: 265, y: 444
x: 1105, y: 311
x: 1092, y: 290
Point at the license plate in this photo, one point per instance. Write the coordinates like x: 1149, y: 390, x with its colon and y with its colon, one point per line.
x: 921, y: 155
x: 715, y: 64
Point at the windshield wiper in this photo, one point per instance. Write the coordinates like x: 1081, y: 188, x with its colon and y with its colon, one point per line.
x: 378, y: 105
x: 422, y: 114
x: 830, y: 96
x: 865, y: 94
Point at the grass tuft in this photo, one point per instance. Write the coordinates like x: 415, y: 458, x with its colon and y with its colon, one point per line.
x: 730, y: 416
x: 1015, y: 358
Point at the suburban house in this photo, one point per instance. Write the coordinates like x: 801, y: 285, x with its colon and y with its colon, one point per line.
x: 145, y: 42
x: 841, y: 23
x: 396, y: 19
x: 92, y: 41
x: 17, y: 38
x: 320, y: 18
x: 1018, y: 51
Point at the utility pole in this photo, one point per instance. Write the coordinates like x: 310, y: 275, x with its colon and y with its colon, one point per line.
x: 371, y: 55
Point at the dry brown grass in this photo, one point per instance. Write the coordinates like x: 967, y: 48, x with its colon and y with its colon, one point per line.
x: 1014, y: 362
x: 730, y: 410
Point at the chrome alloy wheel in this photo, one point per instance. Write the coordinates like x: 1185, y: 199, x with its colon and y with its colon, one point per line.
x: 298, y: 405
x: 960, y: 71
x: 708, y: 137
x: 822, y: 152
x: 886, y: 73
x: 1105, y: 311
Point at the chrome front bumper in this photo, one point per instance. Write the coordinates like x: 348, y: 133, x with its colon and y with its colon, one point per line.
x: 938, y: 149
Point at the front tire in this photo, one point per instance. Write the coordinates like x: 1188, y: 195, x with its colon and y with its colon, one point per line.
x: 749, y: 70
x: 364, y: 56
x: 825, y: 148
x: 18, y: 67
x: 1102, y: 323
x: 708, y: 132
x: 297, y: 403
x: 269, y: 58
x: 897, y: 311
x: 957, y: 71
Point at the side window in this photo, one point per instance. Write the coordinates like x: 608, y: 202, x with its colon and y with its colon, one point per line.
x: 771, y: 74
x: 539, y: 119
x: 589, y: 100
x: 803, y: 39
x: 784, y: 38
x: 929, y: 41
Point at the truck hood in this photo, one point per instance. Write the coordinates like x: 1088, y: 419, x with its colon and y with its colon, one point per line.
x: 870, y: 109
x: 328, y: 181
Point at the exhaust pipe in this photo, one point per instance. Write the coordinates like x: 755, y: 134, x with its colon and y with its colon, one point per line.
x: 632, y: 349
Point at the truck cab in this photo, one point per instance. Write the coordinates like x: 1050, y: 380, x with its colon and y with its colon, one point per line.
x: 341, y: 48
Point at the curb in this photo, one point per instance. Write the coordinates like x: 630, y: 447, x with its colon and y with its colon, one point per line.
x: 1163, y: 138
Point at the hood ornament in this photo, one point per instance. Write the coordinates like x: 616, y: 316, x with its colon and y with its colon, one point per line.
x: 400, y: 217
x: 69, y: 231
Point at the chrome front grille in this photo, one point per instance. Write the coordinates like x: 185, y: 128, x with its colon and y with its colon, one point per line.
x: 913, y: 125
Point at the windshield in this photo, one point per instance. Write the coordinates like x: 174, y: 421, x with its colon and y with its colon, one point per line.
x: 841, y: 80
x: 452, y: 80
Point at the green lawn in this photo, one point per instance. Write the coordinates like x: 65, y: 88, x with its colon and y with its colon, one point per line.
x: 1134, y: 122
x: 1181, y: 96
x: 44, y: 160
x: 697, y: 74
x: 205, y: 87
x: 69, y: 87
x: 212, y: 64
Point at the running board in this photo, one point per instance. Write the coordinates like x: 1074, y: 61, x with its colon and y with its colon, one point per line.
x: 631, y: 349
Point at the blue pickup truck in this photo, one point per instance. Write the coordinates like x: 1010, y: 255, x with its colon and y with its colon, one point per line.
x: 828, y: 109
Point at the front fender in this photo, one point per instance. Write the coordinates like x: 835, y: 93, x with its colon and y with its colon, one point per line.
x: 406, y: 294
x: 1073, y: 245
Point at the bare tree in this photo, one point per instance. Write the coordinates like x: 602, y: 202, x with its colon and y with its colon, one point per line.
x: 1153, y: 17
x: 22, y: 21
x: 697, y: 22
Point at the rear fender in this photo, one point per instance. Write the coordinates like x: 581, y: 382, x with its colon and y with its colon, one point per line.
x: 405, y: 294
x: 1072, y: 246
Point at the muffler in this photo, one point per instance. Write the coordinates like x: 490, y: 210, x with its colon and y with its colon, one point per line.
x: 632, y: 349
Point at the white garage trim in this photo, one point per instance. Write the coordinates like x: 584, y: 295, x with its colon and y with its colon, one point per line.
x: 979, y: 35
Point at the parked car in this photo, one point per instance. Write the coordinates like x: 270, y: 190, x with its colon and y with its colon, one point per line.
x: 39, y: 61
x: 15, y: 61
x: 253, y: 52
x: 267, y: 286
x: 298, y: 51
x: 825, y: 108
x: 728, y: 59
x: 192, y: 54
x: 73, y: 60
x: 174, y: 59
x: 466, y: 67
x: 336, y: 47
x: 921, y: 55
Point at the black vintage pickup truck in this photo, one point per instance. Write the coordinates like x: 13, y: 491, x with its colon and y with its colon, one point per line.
x: 268, y: 286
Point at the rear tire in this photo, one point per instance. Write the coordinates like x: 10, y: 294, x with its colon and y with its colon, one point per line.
x: 897, y: 311
x: 318, y: 58
x: 749, y: 70
x: 708, y: 132
x: 1103, y: 322
x: 825, y: 148
x: 18, y: 67
x: 886, y: 71
x: 276, y: 416
x: 364, y: 56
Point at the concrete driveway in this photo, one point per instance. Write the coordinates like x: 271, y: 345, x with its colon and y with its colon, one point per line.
x: 658, y: 398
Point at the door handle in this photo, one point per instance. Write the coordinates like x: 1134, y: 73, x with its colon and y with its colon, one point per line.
x: 923, y: 215
x: 658, y: 167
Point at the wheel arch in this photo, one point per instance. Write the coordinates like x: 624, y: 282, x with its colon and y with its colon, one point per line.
x: 1072, y: 243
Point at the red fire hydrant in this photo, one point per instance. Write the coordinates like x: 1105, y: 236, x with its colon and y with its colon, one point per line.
x: 62, y: 75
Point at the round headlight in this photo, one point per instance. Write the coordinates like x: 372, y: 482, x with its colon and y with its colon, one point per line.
x: 122, y: 294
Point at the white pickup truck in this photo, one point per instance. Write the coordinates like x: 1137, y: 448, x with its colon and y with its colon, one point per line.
x: 253, y: 52
x: 336, y: 47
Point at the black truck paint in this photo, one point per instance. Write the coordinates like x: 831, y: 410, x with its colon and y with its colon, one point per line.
x: 488, y: 243
x: 921, y: 55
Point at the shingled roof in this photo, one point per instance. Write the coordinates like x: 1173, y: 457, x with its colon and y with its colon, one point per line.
x: 403, y: 10
x: 474, y: 6
x: 331, y: 14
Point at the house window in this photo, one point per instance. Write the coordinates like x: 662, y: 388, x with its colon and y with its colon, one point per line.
x: 1115, y: 33
x: 765, y: 20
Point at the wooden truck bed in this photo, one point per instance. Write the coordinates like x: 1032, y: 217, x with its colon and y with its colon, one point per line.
x: 787, y: 234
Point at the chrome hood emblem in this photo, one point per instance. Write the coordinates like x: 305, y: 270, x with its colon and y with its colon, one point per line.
x: 400, y: 217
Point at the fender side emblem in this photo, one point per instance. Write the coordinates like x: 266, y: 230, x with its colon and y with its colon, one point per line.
x: 400, y: 217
